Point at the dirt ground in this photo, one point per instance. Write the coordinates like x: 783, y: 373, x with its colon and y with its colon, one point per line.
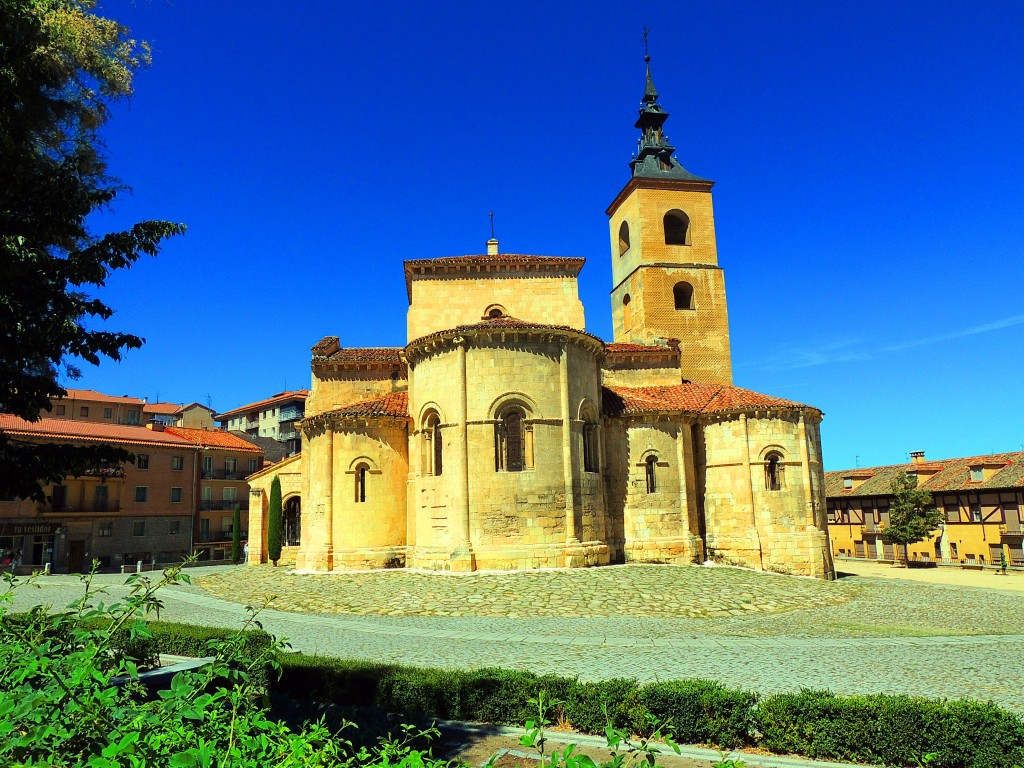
x: 1013, y: 581
x: 475, y: 749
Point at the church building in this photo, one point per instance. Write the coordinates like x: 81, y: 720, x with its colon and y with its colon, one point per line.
x: 503, y: 435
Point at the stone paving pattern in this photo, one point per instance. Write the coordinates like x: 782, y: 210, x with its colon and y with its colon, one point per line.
x: 758, y: 631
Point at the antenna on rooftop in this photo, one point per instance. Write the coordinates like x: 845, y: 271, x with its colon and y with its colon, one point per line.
x: 209, y: 401
x: 856, y: 461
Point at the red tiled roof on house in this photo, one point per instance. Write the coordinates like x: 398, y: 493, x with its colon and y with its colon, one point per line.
x: 213, y: 438
x: 165, y: 409
x: 690, y: 396
x: 953, y: 475
x: 391, y: 405
x: 69, y: 429
x: 298, y: 394
x: 99, y: 397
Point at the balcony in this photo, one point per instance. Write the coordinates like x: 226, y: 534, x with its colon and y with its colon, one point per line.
x: 255, y: 424
x: 286, y: 436
x: 208, y: 504
x: 218, y: 536
x: 870, y: 526
x: 290, y: 413
x: 103, y: 473
x: 1013, y: 529
x: 226, y: 474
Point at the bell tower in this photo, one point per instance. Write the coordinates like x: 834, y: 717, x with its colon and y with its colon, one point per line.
x: 668, y: 284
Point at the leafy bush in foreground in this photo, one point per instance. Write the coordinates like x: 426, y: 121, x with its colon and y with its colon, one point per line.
x: 60, y: 704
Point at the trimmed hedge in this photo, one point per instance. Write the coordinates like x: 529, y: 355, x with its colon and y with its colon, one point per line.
x: 880, y: 729
x: 890, y: 729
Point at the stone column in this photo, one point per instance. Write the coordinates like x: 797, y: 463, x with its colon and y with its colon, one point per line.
x: 328, y: 560
x: 754, y: 535
x: 805, y: 465
x: 573, y: 550
x: 462, y: 554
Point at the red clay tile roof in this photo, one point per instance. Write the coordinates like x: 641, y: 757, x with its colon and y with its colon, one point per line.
x: 622, y: 347
x: 363, y: 355
x: 955, y: 475
x: 690, y: 396
x: 484, y: 259
x: 70, y: 429
x: 213, y: 438
x: 168, y: 409
x: 99, y: 397
x: 507, y: 323
x: 481, y: 263
x: 298, y: 394
x: 391, y: 405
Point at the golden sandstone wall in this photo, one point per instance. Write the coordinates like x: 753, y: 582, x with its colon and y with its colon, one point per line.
x: 550, y: 513
x: 463, y: 299
x: 649, y: 268
x: 746, y: 522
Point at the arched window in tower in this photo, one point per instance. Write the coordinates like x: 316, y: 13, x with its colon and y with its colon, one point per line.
x: 682, y: 293
x: 513, y: 449
x: 774, y: 471
x: 651, y: 473
x: 623, y: 238
x: 433, y: 446
x: 627, y: 315
x: 677, y: 228
x: 362, y: 476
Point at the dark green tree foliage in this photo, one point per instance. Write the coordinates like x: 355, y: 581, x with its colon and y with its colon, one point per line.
x: 61, y: 67
x: 274, y: 522
x: 912, y: 516
x: 236, y: 534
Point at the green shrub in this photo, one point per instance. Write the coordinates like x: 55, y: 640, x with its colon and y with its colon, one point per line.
x: 495, y: 695
x: 702, y: 712
x: 590, y: 707
x: 895, y: 730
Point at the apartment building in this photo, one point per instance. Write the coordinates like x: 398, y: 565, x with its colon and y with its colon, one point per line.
x: 116, y: 515
x: 981, y: 498
x: 223, y: 464
x: 96, y: 407
x: 276, y: 417
x: 192, y: 415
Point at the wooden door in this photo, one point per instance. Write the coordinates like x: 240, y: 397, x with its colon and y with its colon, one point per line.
x: 76, y: 556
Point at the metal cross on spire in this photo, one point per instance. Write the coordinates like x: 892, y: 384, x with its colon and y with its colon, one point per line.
x: 647, y: 31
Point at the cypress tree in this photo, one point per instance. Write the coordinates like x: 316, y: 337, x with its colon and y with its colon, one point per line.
x: 236, y: 534
x: 274, y: 522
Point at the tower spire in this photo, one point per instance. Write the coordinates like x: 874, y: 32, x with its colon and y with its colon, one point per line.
x: 655, y: 158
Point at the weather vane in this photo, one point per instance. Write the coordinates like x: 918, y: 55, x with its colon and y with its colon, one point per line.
x: 647, y: 31
x: 492, y: 224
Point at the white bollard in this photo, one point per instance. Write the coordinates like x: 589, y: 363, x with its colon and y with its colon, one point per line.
x: 138, y: 567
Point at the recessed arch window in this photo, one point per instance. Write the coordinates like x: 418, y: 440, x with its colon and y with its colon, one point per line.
x: 362, y: 476
x: 433, y: 444
x: 513, y: 450
x: 623, y: 238
x: 774, y: 471
x: 651, y: 473
x: 591, y: 450
x: 682, y: 294
x: 627, y: 314
x: 677, y: 228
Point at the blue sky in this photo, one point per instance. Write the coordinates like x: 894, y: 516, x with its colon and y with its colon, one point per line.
x: 868, y: 202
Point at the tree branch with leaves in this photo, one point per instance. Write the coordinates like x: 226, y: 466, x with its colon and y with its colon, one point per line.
x: 62, y: 66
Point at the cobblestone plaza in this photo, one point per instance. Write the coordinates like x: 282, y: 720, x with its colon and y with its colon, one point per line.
x: 754, y: 630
